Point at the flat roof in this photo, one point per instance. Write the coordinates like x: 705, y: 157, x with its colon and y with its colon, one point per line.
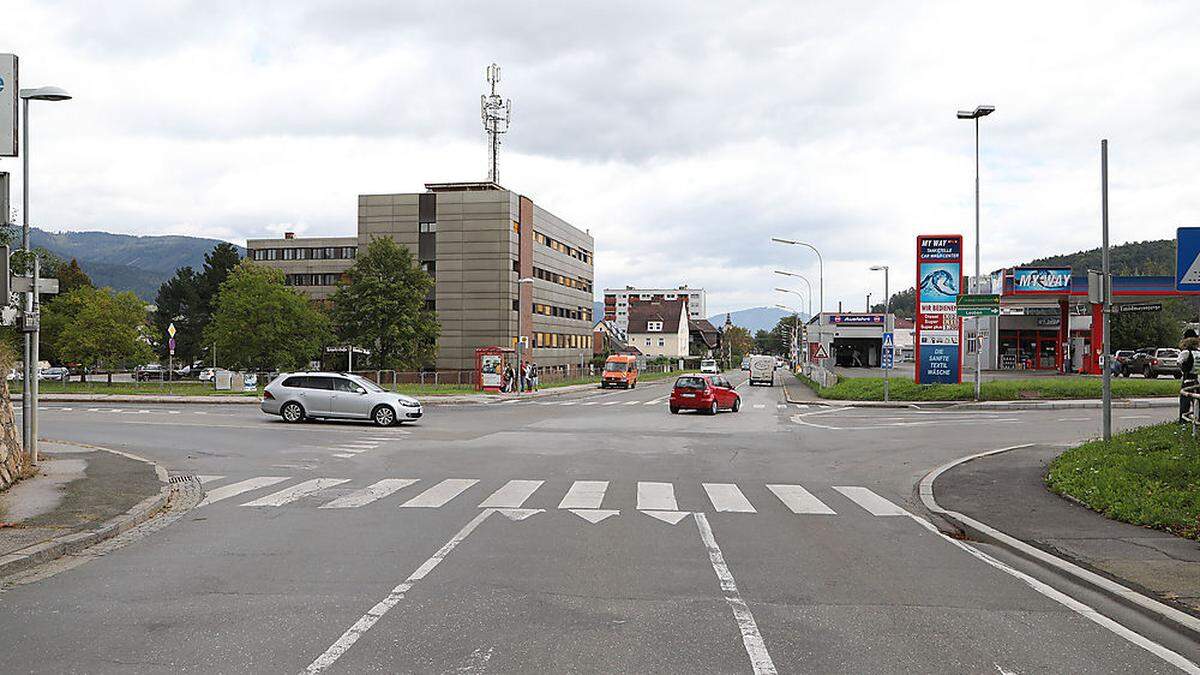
x: 468, y: 186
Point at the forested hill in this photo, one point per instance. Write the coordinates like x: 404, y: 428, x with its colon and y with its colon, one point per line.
x: 1155, y: 257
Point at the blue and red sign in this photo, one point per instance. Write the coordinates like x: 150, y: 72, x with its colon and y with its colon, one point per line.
x: 1041, y: 280
x: 856, y: 319
x: 938, y: 330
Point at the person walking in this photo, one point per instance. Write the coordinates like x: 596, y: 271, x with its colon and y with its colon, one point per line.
x: 1189, y: 356
x: 533, y: 377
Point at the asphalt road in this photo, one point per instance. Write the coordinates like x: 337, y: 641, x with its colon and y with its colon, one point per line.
x: 589, y: 532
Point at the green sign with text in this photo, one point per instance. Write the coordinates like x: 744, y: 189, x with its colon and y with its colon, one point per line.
x: 978, y: 305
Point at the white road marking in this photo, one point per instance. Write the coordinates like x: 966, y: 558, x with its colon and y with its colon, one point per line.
x: 297, y: 491
x: 656, y: 497
x: 752, y: 640
x: 343, y: 455
x: 364, y: 623
x: 876, y: 505
x: 781, y: 406
x: 594, y: 516
x: 439, y: 494
x: 633, y: 403
x: 363, y: 444
x: 672, y: 517
x: 760, y: 405
x: 590, y: 402
x: 565, y: 403
x: 369, y: 494
x: 512, y: 495
x: 799, y: 500
x: 613, y: 403
x: 208, y: 479
x: 584, y: 494
x: 235, y: 489
x: 726, y: 497
x: 172, y: 412
x: 1164, y: 653
x: 655, y: 401
x: 1075, y: 419
x: 1136, y: 417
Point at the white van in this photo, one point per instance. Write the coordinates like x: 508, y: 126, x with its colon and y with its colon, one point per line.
x: 762, y: 370
x: 709, y: 366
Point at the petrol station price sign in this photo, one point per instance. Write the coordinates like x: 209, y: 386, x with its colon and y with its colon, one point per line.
x: 939, y: 332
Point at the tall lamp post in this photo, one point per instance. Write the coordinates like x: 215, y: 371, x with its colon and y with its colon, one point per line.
x: 887, y: 310
x: 820, y: 267
x: 521, y: 334
x: 979, y: 111
x: 795, y: 329
x: 797, y: 294
x: 29, y: 370
x: 807, y: 285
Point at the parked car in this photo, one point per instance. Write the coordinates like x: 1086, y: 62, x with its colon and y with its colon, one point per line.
x: 1121, y: 359
x: 709, y: 366
x: 207, y: 374
x: 620, y: 370
x: 706, y: 393
x: 56, y: 373
x: 762, y: 370
x: 150, y: 372
x: 1152, y: 362
x: 299, y: 396
x: 745, y: 363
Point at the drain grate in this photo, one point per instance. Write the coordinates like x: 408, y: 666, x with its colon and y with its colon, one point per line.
x: 183, y: 478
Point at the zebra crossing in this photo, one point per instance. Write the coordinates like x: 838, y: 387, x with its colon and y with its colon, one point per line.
x: 606, y: 403
x: 586, y: 498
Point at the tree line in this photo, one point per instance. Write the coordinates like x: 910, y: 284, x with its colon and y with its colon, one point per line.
x: 244, y: 313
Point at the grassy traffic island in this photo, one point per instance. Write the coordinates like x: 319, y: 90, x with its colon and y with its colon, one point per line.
x: 1033, y: 389
x: 1149, y: 476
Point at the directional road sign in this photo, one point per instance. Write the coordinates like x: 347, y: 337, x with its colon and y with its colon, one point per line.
x: 978, y: 305
x: 1187, y: 259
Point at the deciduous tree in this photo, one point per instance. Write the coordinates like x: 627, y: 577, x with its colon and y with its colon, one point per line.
x: 101, y: 328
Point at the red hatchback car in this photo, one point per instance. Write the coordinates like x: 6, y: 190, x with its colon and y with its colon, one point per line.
x: 709, y: 393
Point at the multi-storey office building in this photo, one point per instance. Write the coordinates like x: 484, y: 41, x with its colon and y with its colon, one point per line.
x: 313, y: 264
x: 618, y: 300
x: 476, y: 240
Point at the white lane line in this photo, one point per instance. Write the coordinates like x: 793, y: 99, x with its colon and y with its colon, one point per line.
x: 781, y: 406
x: 439, y: 494
x: 760, y: 405
x: 93, y: 410
x: 566, y: 403
x: 800, y: 501
x: 1123, y: 417
x: 169, y: 412
x: 369, y: 494
x: 208, y: 479
x: 512, y: 495
x: 726, y: 497
x: 584, y: 494
x: 591, y: 402
x: 656, y: 401
x: 1087, y: 612
x: 613, y: 403
x: 633, y: 403
x: 1075, y: 419
x: 876, y: 505
x: 656, y: 497
x: 364, y: 623
x: 297, y: 491
x: 234, y: 489
x: 752, y: 640
x: 343, y: 455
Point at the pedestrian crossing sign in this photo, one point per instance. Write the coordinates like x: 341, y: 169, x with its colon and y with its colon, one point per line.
x: 1187, y: 259
x: 889, y: 339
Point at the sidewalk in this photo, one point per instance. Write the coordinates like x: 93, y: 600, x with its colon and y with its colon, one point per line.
x: 1006, y: 492
x: 80, y: 496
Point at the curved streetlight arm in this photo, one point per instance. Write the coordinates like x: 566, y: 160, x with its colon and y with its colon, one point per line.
x: 820, y: 266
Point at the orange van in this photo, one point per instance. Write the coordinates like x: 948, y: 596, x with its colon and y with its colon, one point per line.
x: 620, y: 370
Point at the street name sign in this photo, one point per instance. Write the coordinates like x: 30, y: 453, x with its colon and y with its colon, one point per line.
x: 978, y: 305
x: 1187, y: 259
x: 1135, y: 307
x: 9, y: 96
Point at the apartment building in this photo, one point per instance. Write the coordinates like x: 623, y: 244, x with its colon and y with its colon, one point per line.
x: 313, y: 265
x: 617, y: 301
x: 476, y: 240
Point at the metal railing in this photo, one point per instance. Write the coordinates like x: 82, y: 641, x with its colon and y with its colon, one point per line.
x: 1192, y: 392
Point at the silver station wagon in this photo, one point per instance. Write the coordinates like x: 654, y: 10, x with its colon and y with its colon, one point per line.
x: 299, y: 396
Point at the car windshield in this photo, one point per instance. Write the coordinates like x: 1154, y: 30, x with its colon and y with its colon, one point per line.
x: 1168, y: 352
x: 688, y: 382
x: 367, y: 384
x: 615, y: 367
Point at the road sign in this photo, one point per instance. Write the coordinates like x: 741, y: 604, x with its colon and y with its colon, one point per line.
x: 889, y: 340
x: 25, y: 284
x: 888, y: 360
x: 171, y: 331
x: 1135, y: 307
x: 171, y: 346
x: 978, y: 305
x: 821, y: 353
x: 8, y: 108
x: 1187, y: 259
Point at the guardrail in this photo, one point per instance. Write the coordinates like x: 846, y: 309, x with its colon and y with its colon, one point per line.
x: 1192, y: 392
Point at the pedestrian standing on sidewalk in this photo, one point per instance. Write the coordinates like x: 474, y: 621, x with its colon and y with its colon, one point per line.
x: 1189, y: 354
x: 533, y: 377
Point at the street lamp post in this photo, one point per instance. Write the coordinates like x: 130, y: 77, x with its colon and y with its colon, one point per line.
x: 521, y: 334
x: 887, y: 310
x: 806, y: 285
x: 820, y: 266
x: 979, y: 111
x: 795, y: 331
x: 29, y: 370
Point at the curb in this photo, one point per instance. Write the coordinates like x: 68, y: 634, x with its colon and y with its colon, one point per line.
x: 1119, y: 592
x: 67, y: 544
x: 1065, y: 404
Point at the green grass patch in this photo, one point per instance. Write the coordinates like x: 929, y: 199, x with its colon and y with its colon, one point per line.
x: 1040, y: 388
x: 177, y: 388
x: 1149, y: 476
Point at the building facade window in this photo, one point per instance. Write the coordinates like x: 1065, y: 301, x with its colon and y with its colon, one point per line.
x: 654, y: 326
x: 426, y: 227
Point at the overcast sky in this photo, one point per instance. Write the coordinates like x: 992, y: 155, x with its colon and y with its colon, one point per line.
x: 682, y: 135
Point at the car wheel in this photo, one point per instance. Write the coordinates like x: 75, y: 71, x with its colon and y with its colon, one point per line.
x: 383, y: 416
x: 737, y: 404
x: 674, y: 410
x: 292, y: 412
x: 713, y: 410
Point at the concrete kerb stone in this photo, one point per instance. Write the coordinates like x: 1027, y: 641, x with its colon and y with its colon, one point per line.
x: 961, y: 523
x: 1087, y: 404
x: 68, y: 544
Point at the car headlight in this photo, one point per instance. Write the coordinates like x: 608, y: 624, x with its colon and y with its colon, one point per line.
x: 409, y: 402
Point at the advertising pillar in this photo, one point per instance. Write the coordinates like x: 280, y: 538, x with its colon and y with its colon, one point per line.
x: 939, y: 332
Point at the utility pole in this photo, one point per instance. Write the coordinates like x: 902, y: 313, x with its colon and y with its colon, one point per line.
x: 1106, y: 314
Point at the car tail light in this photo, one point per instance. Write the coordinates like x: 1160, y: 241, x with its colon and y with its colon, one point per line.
x: 267, y: 396
x: 1154, y: 362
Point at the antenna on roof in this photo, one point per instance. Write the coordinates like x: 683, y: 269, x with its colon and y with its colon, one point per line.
x: 497, y: 115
